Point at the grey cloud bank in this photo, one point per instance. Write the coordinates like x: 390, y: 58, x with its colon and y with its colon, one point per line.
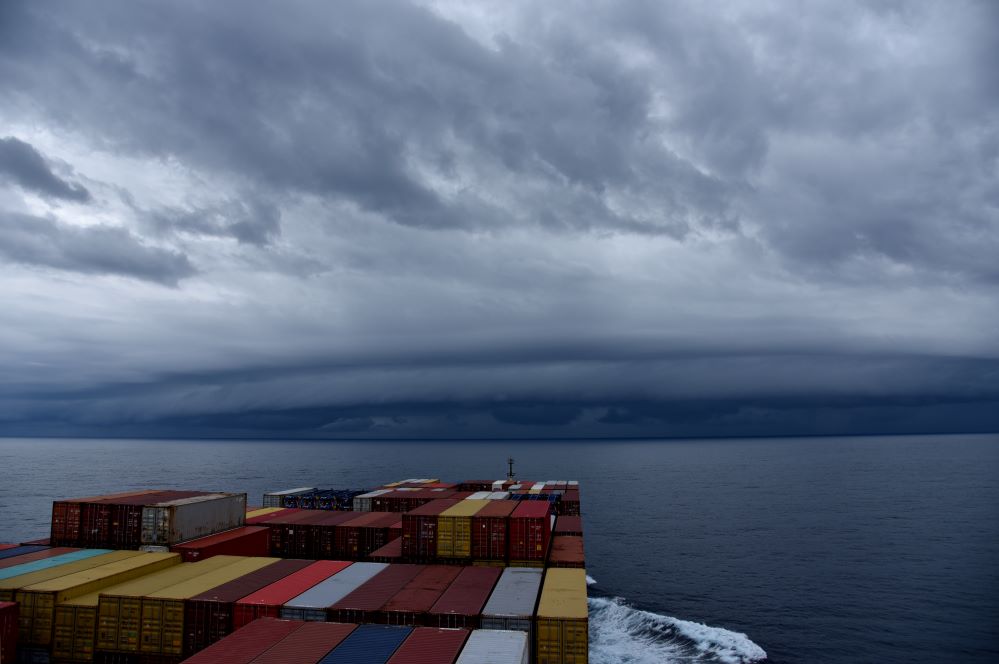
x: 397, y: 219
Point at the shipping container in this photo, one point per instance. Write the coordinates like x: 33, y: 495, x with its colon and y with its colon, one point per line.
x: 175, y: 521
x: 20, y: 550
x: 308, y: 644
x: 569, y: 505
x: 163, y: 610
x: 419, y: 530
x: 430, y: 645
x: 119, y: 608
x: 362, y: 503
x: 403, y: 500
x: 568, y: 525
x: 66, y: 514
x: 324, y: 534
x: 312, y: 604
x: 260, y: 511
x: 68, y: 555
x: 461, y: 604
x: 117, y: 523
x: 567, y: 551
x: 390, y: 553
x: 38, y: 601
x: 245, y: 645
x: 245, y: 541
x: 9, y: 585
x: 454, y: 529
x: 208, y: 617
x: 362, y: 604
x: 479, y: 495
x: 529, y: 533
x: 268, y: 600
x: 561, y: 632
x: 368, y: 644
x: 410, y: 605
x: 276, y: 498
x: 8, y: 632
x: 265, y: 518
x: 512, y: 602
x: 356, y: 538
x: 490, y: 527
x: 488, y: 646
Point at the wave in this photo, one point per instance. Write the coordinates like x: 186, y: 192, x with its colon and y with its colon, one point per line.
x: 621, y: 634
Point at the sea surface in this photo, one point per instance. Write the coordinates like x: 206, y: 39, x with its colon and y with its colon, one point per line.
x: 862, y: 549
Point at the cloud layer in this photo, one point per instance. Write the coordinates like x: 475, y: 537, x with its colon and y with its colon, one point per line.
x: 453, y: 219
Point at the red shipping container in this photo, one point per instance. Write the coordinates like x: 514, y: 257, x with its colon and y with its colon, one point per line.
x: 390, y: 553
x: 8, y: 632
x: 245, y: 541
x: 489, y: 530
x: 427, y: 645
x: 362, y: 604
x: 461, y: 604
x: 308, y: 644
x: 356, y: 538
x: 208, y: 617
x: 419, y: 530
x: 283, y: 530
x: 268, y: 600
x: 568, y: 525
x: 65, y: 524
x: 567, y: 551
x: 248, y: 643
x: 410, y: 605
x: 325, y: 533
x: 530, y: 530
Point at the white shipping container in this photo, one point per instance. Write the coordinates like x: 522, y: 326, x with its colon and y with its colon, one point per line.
x: 312, y: 604
x: 362, y: 503
x: 511, y: 604
x: 275, y: 498
x: 479, y: 495
x: 176, y: 521
x: 490, y: 646
x: 498, y: 495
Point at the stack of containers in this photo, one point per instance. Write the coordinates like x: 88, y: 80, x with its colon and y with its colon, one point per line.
x: 401, y: 500
x: 208, y: 617
x: 8, y: 632
x: 364, y: 533
x: 489, y: 532
x: 248, y: 643
x: 276, y: 498
x: 362, y: 605
x: 569, y: 525
x: 426, y: 645
x: 461, y: 604
x: 285, y: 533
x: 32, y: 564
x: 530, y: 533
x: 562, y: 634
x: 80, y: 621
x: 312, y: 604
x: 67, y: 515
x: 487, y: 646
x: 411, y: 604
x: 245, y: 541
x: 362, y: 503
x: 419, y: 531
x: 11, y: 584
x: 38, y: 601
x: 454, y: 530
x: 512, y: 603
x: 267, y: 601
x: 309, y: 643
x: 163, y: 610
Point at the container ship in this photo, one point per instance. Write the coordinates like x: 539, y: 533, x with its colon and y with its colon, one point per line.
x: 414, y: 571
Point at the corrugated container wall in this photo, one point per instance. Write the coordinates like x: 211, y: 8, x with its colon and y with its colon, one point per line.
x: 275, y: 498
x: 245, y: 645
x: 312, y: 604
x: 368, y: 644
x: 427, y: 645
x: 10, y: 585
x: 268, y: 600
x: 419, y: 530
x: 176, y: 521
x: 8, y: 632
x: 361, y: 605
x: 562, y: 629
x: 47, y: 563
x: 410, y: 605
x: 512, y: 603
x: 245, y: 541
x: 308, y: 644
x: 461, y: 604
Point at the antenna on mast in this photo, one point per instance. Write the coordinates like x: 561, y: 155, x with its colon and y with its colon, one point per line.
x: 509, y: 474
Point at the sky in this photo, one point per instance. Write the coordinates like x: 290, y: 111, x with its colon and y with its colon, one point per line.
x: 445, y: 219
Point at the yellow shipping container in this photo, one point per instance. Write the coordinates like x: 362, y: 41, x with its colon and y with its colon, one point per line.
x: 9, y: 586
x: 36, y: 619
x: 163, y: 610
x: 563, y: 618
x: 77, y: 619
x: 454, y: 529
x: 260, y: 511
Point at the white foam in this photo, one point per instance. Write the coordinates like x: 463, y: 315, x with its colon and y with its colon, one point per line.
x: 620, y: 634
x: 590, y: 580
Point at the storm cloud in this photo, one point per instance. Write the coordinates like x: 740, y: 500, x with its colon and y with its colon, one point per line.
x: 426, y: 219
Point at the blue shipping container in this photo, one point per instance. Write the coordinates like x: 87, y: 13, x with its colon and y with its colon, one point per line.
x: 368, y: 644
x: 21, y: 550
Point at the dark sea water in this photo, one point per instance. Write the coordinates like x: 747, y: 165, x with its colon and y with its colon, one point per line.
x: 880, y: 549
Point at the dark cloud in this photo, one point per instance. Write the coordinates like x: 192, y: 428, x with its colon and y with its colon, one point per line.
x: 90, y: 250
x: 459, y: 219
x: 23, y: 165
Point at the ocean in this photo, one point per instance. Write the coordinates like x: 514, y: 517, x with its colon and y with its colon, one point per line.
x: 859, y: 549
